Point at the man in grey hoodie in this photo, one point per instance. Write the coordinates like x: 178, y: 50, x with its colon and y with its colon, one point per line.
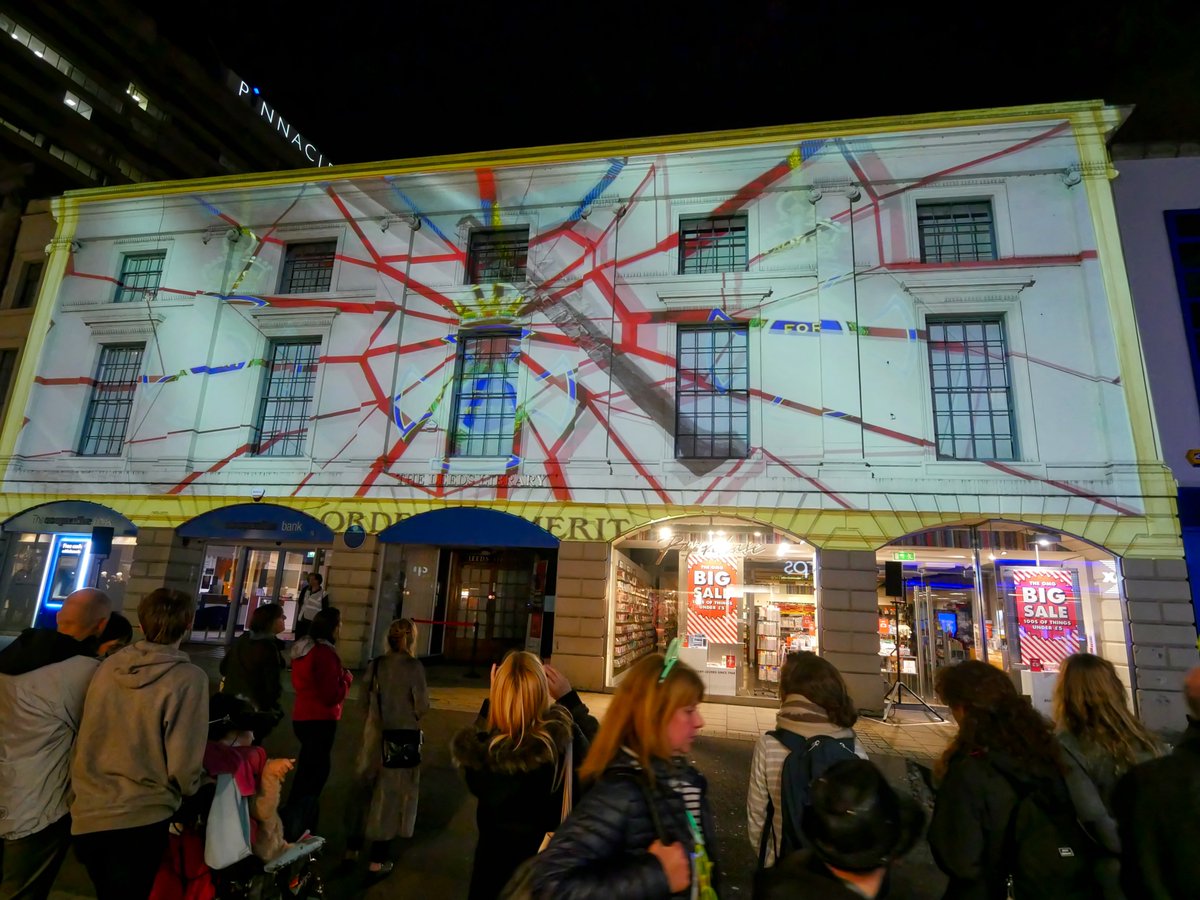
x: 44, y: 676
x: 140, y: 750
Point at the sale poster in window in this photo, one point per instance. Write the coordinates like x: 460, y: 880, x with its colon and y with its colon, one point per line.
x: 1047, y: 606
x: 711, y: 609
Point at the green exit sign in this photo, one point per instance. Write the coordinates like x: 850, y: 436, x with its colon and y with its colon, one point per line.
x: 905, y: 555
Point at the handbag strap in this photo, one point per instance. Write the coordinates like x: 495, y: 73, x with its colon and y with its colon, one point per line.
x: 568, y: 780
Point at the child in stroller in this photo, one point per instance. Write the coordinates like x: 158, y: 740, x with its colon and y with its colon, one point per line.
x: 210, y: 855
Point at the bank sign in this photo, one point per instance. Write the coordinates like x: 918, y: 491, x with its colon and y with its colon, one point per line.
x: 276, y: 122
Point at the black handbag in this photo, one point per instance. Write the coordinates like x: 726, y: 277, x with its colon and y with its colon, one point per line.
x: 401, y: 746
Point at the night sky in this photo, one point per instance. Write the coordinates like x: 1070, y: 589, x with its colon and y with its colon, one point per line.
x: 371, y: 81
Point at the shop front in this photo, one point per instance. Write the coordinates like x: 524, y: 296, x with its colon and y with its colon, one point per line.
x: 253, y: 553
x: 56, y: 548
x: 479, y: 582
x: 740, y: 596
x: 1018, y: 597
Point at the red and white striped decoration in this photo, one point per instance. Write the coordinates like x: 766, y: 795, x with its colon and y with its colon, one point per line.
x: 1050, y: 647
x: 718, y: 629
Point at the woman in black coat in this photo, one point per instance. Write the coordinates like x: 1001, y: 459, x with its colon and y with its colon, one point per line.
x: 514, y: 762
x: 644, y: 830
x: 254, y: 665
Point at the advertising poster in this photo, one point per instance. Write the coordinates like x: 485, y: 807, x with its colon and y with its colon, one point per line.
x: 711, y: 610
x: 1047, y: 605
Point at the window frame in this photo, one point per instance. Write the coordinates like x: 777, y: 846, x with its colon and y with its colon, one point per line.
x: 95, y: 400
x: 478, y: 240
x: 25, y: 282
x: 946, y: 203
x: 126, y: 275
x: 288, y: 267
x: 735, y: 265
x: 505, y: 441
x: 286, y: 439
x: 713, y: 328
x: 970, y: 390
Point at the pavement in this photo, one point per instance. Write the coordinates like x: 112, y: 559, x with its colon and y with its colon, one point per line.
x: 436, y: 861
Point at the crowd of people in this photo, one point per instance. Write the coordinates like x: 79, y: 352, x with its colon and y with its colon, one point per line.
x: 110, y: 744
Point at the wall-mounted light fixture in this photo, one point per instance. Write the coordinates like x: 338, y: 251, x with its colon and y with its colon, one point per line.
x: 1071, y: 176
x: 412, y: 221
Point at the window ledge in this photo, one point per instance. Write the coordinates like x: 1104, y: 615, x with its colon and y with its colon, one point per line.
x: 959, y: 286
x: 91, y: 303
x: 116, y: 320
x: 292, y: 321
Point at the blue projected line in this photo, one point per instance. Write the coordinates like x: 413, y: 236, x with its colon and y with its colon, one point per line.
x: 412, y: 207
x: 570, y: 385
x: 835, y: 414
x: 717, y: 316
x: 599, y: 188
x: 809, y: 149
x: 212, y: 209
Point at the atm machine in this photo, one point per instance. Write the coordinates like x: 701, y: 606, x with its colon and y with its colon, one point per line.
x: 67, y: 569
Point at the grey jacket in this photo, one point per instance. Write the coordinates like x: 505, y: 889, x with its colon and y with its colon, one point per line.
x: 141, y: 742
x: 40, y: 712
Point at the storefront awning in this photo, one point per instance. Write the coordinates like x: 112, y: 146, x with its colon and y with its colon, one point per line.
x: 69, y: 517
x: 257, y: 522
x: 468, y: 526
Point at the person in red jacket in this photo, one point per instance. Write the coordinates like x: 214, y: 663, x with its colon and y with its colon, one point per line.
x: 321, y: 683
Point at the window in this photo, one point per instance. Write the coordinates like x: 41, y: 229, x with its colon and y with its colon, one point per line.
x: 136, y: 94
x: 288, y: 391
x: 112, y: 400
x: 972, y: 392
x: 956, y: 232
x: 78, y: 104
x: 497, y: 254
x: 712, y: 244
x: 308, y: 267
x: 712, y: 393
x: 140, y: 276
x: 8, y: 362
x: 485, y: 394
x: 27, y: 287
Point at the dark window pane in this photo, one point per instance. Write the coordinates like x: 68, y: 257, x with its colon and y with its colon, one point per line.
x: 31, y: 280
x: 308, y: 267
x: 140, y: 276
x: 712, y: 391
x: 497, y: 255
x: 956, y: 232
x: 288, y: 390
x: 713, y: 244
x: 976, y: 394
x: 1189, y: 254
x: 485, y: 398
x: 111, y: 402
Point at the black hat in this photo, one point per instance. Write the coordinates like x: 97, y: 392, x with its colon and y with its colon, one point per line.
x: 855, y: 821
x: 228, y: 713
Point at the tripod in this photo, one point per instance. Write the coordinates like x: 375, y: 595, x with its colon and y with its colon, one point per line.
x: 895, y: 695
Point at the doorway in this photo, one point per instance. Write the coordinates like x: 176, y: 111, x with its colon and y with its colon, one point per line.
x: 492, y: 591
x: 236, y: 579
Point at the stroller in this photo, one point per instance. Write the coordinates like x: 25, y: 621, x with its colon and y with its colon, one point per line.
x: 292, y: 874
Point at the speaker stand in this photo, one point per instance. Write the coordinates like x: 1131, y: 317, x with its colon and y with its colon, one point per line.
x: 895, y: 698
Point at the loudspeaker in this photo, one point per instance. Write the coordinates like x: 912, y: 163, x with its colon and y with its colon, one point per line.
x: 893, y: 579
x: 102, y: 537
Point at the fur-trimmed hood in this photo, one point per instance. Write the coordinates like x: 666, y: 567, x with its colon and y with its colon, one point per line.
x: 471, y: 749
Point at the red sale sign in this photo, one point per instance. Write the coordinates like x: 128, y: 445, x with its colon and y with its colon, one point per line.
x: 1047, y: 615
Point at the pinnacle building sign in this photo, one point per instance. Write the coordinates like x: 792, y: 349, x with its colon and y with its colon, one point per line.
x: 276, y: 122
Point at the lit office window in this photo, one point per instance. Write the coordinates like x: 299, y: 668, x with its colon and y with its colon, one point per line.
x: 972, y: 390
x: 308, y: 267
x: 956, y: 232
x: 288, y: 390
x: 112, y: 400
x: 712, y: 392
x: 135, y: 93
x: 140, y: 276
x: 79, y: 105
x: 713, y: 244
x: 497, y: 254
x: 484, y: 414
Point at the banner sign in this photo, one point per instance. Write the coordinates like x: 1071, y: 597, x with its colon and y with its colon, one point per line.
x: 1047, y: 604
x: 712, y: 611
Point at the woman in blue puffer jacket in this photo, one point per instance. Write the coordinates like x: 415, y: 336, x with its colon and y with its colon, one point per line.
x: 644, y: 830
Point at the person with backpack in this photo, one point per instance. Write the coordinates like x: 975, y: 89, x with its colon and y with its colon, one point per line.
x: 813, y: 730
x: 856, y: 826
x: 1002, y: 811
x: 1101, y: 739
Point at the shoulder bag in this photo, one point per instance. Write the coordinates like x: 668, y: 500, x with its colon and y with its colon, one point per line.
x: 401, y: 746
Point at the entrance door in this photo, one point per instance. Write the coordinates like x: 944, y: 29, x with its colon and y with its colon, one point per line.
x: 236, y: 580
x: 492, y: 589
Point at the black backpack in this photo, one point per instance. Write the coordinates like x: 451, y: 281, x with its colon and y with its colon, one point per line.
x: 1051, y: 855
x: 807, y: 759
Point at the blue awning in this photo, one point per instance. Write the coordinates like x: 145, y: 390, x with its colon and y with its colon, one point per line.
x: 70, y: 517
x: 468, y: 526
x: 257, y: 522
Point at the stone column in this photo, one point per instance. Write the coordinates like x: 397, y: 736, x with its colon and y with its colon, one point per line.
x: 162, y: 559
x: 352, y: 584
x: 848, y: 622
x: 1162, y: 634
x: 581, y: 613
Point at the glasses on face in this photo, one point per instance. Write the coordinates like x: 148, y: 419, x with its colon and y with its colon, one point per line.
x: 671, y: 658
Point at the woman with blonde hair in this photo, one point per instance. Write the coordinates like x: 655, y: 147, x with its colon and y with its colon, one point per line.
x: 396, y: 699
x: 1101, y: 740
x: 644, y: 830
x: 515, y: 763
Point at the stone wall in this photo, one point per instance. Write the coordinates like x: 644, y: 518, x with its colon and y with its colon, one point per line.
x: 162, y: 559
x: 352, y: 582
x: 1162, y: 633
x: 848, y: 622
x: 581, y: 613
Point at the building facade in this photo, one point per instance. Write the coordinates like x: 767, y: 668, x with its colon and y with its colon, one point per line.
x: 869, y: 388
